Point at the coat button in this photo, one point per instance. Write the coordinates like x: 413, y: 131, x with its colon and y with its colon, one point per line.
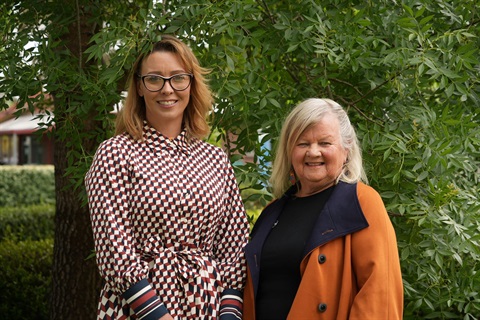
x: 322, y: 307
x: 322, y: 258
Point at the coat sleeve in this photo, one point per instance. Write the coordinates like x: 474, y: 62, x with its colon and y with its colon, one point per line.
x: 230, y: 240
x: 376, y: 263
x: 108, y: 189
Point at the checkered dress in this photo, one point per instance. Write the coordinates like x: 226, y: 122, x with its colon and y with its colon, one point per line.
x: 169, y: 222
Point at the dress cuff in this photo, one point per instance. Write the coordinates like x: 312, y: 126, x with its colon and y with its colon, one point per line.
x: 144, y: 301
x: 231, y: 305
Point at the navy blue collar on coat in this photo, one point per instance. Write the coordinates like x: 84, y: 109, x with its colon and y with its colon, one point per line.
x: 340, y: 216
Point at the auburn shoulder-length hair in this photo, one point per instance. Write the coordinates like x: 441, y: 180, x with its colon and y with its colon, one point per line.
x: 302, y: 117
x: 195, y: 118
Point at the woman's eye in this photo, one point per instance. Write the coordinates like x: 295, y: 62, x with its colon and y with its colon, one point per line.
x: 154, y: 79
x: 179, y: 78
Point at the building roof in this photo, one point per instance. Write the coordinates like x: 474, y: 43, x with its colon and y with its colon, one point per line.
x: 24, y: 124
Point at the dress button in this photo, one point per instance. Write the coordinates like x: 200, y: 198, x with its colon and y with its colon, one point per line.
x: 322, y: 258
x: 322, y: 307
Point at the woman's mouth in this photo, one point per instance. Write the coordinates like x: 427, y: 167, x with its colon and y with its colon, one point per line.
x: 314, y: 164
x: 167, y: 103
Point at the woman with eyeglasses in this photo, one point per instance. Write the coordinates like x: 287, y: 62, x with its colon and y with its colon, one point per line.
x: 168, y: 221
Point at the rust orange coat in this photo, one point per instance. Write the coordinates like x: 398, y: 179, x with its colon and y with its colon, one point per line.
x: 350, y: 270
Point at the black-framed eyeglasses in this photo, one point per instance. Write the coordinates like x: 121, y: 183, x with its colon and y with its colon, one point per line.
x: 178, y: 82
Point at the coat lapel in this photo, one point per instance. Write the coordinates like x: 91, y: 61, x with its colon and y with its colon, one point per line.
x: 340, y: 216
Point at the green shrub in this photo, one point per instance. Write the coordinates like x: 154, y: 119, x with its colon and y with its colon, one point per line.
x: 34, y: 222
x: 25, y: 279
x: 26, y: 185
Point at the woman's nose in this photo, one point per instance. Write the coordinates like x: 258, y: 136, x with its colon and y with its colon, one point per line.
x: 167, y: 88
x: 313, y: 152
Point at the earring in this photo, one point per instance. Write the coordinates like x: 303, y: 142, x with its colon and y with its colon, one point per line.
x: 291, y: 177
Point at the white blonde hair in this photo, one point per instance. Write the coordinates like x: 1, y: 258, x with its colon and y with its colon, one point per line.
x: 302, y: 117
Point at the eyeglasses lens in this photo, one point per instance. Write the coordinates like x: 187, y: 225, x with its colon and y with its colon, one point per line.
x: 177, y: 82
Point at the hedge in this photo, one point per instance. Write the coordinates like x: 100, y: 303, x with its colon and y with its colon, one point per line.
x: 25, y: 279
x: 34, y: 222
x: 27, y: 210
x: 26, y: 185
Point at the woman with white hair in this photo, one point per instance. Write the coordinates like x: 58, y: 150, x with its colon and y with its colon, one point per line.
x: 325, y: 248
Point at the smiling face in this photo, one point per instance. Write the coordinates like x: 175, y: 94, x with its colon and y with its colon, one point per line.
x: 318, y: 156
x: 164, y: 108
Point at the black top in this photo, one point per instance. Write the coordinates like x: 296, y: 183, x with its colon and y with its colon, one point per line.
x: 282, y: 254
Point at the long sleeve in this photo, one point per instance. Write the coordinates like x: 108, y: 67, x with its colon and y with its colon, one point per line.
x: 108, y: 187
x: 376, y: 263
x: 231, y: 239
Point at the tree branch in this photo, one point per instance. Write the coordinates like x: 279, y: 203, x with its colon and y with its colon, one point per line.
x: 267, y: 10
x: 353, y: 104
x: 79, y: 34
x: 348, y: 84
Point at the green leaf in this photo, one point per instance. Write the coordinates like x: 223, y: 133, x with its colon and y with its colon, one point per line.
x: 407, y: 22
x: 230, y: 63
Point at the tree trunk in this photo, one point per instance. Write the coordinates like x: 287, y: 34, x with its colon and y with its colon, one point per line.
x: 75, y: 280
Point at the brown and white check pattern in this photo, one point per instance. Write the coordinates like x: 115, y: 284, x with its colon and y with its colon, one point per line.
x: 168, y: 211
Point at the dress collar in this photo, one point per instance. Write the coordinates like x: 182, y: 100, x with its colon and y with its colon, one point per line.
x: 156, y: 140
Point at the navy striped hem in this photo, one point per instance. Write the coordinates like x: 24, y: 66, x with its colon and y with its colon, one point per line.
x: 231, y: 305
x: 144, y: 301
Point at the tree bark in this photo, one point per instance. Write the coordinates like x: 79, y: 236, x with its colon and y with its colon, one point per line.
x: 75, y: 280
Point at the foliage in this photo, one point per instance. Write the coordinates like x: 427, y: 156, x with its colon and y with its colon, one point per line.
x: 25, y: 278
x: 34, y: 222
x: 407, y: 72
x: 26, y: 185
x: 253, y: 215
